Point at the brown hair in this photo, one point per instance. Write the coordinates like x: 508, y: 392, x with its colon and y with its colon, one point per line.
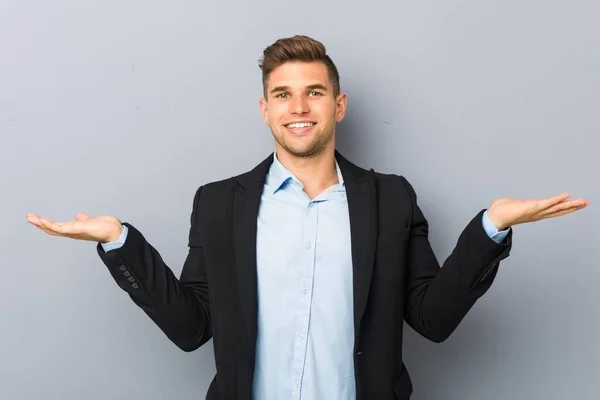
x: 297, y: 48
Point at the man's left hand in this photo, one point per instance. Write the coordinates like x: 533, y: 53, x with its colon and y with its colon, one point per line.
x: 505, y: 213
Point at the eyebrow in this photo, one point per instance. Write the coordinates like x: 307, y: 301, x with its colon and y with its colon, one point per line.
x: 309, y: 87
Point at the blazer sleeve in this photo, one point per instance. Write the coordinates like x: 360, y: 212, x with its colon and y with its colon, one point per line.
x: 180, y: 307
x: 438, y: 298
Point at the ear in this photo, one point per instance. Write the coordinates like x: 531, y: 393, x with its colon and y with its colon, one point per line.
x: 263, y: 110
x: 340, y: 107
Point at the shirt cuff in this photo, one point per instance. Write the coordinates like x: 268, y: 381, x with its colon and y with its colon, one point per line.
x: 492, y: 231
x: 118, y: 243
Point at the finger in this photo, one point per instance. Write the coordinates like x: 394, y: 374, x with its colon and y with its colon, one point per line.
x: 49, y: 232
x: 45, y: 222
x: 33, y: 219
x: 82, y: 217
x: 552, y: 201
x: 565, y: 205
x: 561, y: 213
x: 58, y: 227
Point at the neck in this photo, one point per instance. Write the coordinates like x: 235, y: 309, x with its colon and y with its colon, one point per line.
x: 316, y: 173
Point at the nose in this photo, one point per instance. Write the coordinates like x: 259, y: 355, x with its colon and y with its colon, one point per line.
x: 299, y: 105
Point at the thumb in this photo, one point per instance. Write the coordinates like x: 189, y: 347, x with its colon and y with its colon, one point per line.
x: 82, y: 217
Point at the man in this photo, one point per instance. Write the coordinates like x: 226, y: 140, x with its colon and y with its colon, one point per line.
x: 303, y: 269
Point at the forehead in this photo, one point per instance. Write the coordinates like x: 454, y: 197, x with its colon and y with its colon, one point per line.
x: 299, y: 74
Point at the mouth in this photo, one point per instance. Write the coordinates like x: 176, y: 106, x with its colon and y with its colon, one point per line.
x: 301, y: 127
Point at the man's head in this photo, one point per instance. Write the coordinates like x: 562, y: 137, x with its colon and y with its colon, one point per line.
x: 302, y: 100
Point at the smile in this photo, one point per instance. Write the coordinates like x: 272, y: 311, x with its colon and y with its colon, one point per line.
x: 300, y: 125
x: 300, y: 128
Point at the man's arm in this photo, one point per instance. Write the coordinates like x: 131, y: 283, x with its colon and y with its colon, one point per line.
x: 439, y: 298
x: 180, y: 307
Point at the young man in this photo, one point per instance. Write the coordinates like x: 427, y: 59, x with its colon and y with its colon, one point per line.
x: 303, y: 269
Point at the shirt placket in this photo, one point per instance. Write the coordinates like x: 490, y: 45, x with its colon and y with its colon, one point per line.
x: 305, y: 288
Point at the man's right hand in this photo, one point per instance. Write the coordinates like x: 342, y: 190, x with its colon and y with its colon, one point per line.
x: 102, y: 229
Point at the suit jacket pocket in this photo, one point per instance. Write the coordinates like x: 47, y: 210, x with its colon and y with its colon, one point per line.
x: 394, y: 238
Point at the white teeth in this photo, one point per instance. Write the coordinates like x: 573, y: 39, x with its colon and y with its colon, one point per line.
x: 300, y: 125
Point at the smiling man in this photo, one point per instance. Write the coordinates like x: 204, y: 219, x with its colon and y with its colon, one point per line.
x: 304, y: 269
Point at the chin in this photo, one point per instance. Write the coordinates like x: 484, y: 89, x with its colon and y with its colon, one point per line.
x: 301, y: 147
x: 304, y: 152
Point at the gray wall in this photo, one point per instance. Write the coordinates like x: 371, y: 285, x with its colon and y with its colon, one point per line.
x: 126, y: 107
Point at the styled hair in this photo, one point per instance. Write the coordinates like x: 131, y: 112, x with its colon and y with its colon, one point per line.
x: 298, y: 48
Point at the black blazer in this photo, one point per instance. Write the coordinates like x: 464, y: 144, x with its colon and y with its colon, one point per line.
x: 396, y: 278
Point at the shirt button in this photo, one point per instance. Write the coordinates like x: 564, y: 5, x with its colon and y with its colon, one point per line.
x: 300, y: 336
x: 305, y: 290
x: 297, y: 384
x: 308, y: 245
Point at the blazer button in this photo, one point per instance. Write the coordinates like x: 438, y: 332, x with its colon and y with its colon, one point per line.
x: 135, y: 286
x: 127, y: 273
x: 122, y: 267
x: 131, y: 279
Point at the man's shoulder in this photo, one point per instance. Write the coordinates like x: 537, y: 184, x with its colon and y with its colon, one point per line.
x: 218, y: 188
x: 390, y: 178
x: 385, y: 178
x: 248, y: 179
x: 359, y: 171
x: 393, y: 186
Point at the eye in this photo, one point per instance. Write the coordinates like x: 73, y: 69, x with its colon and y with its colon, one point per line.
x: 282, y: 96
x: 314, y: 93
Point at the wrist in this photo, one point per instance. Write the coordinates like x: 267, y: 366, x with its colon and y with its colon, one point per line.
x: 498, y: 222
x: 114, y: 236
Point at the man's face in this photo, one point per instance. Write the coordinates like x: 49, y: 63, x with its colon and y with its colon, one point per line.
x: 301, y: 109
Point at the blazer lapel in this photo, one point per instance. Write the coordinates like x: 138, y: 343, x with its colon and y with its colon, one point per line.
x: 246, y: 203
x: 362, y: 206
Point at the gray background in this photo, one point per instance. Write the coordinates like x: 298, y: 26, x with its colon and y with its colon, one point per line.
x: 126, y: 107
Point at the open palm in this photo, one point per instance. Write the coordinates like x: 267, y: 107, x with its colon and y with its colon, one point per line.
x: 508, y: 212
x: 98, y: 229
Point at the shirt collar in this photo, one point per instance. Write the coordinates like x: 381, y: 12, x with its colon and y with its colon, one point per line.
x: 279, y: 176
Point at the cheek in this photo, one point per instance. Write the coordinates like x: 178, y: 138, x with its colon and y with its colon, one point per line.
x: 270, y: 119
x: 325, y: 111
x: 274, y: 115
